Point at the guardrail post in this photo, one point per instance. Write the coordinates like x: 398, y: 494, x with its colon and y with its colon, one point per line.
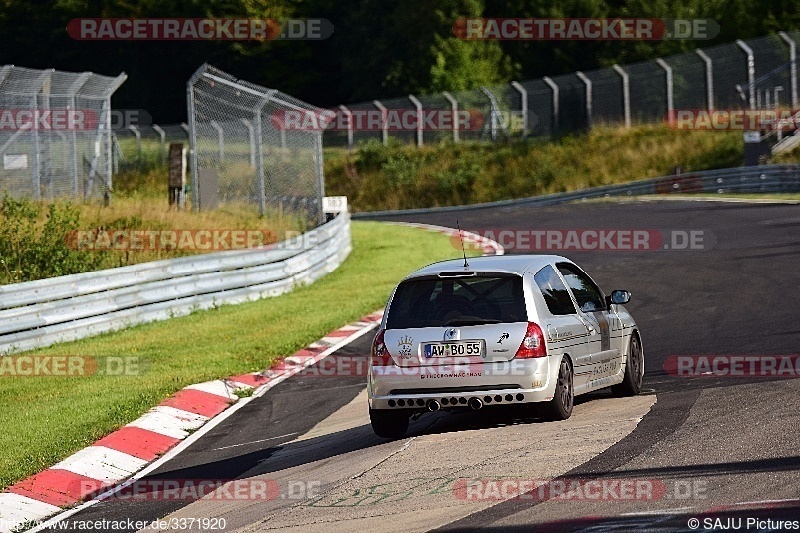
x: 709, y: 78
x: 454, y: 108
x: 751, y: 72
x: 792, y: 65
x: 384, y: 121
x: 586, y: 81
x: 668, y: 74
x: 626, y: 94
x: 420, y: 117
x: 349, y: 116
x: 553, y: 87
x: 523, y: 107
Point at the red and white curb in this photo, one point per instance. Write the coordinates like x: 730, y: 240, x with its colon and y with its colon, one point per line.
x: 127, y: 451
x: 487, y: 246
x: 133, y: 451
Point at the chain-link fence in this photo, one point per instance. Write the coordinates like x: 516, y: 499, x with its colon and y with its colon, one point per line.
x: 55, y: 136
x: 253, y: 145
x: 760, y: 72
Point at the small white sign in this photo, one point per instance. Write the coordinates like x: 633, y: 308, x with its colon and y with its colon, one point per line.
x: 15, y: 161
x: 334, y: 204
x: 752, y: 137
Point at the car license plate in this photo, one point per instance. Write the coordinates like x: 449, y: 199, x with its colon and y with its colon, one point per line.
x: 454, y: 349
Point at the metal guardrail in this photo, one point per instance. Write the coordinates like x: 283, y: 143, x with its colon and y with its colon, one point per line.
x: 42, y: 312
x: 754, y: 179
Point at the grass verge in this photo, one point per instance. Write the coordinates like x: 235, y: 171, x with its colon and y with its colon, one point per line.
x: 46, y: 418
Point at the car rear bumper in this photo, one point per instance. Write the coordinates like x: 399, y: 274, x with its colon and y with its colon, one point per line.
x: 521, y: 382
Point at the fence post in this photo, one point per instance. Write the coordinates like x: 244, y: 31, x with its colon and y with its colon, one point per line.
x: 668, y: 74
x: 420, y: 117
x: 751, y: 72
x: 36, y: 168
x: 191, y: 131
x: 262, y: 188
x: 119, y: 80
x: 709, y: 78
x: 555, y: 118
x: 320, y: 174
x: 454, y: 107
x: 220, y: 139
x: 349, y: 115
x: 586, y: 81
x: 252, y: 138
x: 162, y: 136
x: 792, y: 65
x: 73, y: 90
x: 384, y: 121
x: 138, y: 135
x: 523, y: 107
x: 626, y: 94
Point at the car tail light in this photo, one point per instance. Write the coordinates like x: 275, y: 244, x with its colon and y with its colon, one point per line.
x: 380, y: 354
x: 532, y: 344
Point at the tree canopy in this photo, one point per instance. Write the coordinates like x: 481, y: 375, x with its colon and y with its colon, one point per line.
x: 379, y: 48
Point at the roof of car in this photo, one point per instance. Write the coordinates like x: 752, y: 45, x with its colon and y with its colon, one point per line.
x: 514, y: 264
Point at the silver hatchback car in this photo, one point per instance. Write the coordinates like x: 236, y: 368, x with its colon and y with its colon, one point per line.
x: 502, y: 330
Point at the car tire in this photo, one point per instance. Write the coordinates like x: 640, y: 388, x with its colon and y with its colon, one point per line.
x: 560, y: 407
x: 389, y: 423
x: 634, y: 370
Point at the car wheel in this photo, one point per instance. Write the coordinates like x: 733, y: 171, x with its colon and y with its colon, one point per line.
x: 388, y: 423
x: 560, y: 407
x: 634, y: 370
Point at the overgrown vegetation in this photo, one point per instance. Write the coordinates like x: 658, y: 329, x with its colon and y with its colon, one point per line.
x: 398, y: 176
x: 33, y: 243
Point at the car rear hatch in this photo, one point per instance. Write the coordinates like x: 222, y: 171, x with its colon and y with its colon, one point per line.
x: 454, y: 318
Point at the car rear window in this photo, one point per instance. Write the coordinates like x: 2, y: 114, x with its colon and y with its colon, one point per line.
x: 459, y: 301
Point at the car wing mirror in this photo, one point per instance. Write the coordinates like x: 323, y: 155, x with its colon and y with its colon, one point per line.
x: 619, y: 297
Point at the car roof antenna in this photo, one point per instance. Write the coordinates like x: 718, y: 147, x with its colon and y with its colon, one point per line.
x: 461, y: 237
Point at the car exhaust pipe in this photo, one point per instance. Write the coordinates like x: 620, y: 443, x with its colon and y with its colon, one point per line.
x: 475, y: 403
x: 434, y: 406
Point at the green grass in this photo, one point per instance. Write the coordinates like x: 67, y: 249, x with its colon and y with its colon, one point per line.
x: 399, y: 176
x: 48, y: 418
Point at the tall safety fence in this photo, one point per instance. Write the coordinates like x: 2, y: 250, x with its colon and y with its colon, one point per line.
x: 55, y: 133
x: 752, y: 74
x: 241, y: 153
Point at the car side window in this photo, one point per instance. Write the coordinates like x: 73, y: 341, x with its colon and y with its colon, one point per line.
x: 554, y: 291
x: 586, y: 293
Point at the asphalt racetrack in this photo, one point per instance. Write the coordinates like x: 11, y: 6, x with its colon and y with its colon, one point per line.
x: 701, y: 451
